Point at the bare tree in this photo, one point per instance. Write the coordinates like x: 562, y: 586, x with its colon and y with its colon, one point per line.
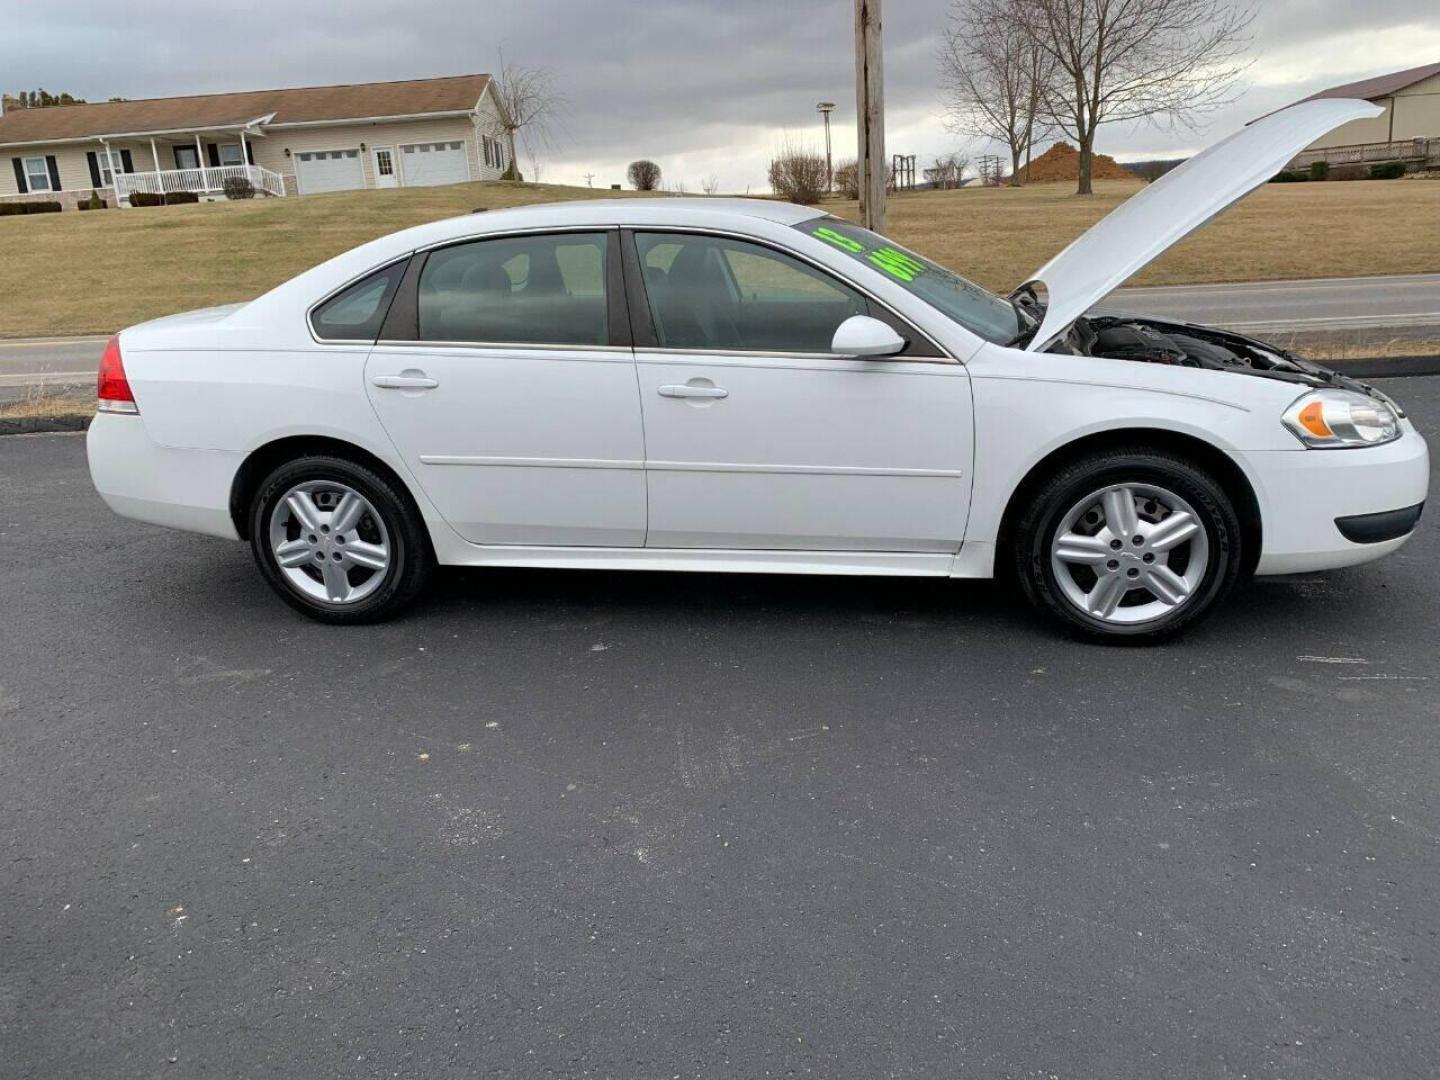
x: 644, y: 175
x: 995, y: 76
x: 531, y: 109
x: 1126, y: 60
x: 847, y: 179
x: 948, y: 171
x: 710, y: 185
x: 798, y: 174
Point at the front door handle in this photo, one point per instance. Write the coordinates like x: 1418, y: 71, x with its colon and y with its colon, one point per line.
x: 675, y: 390
x: 405, y: 382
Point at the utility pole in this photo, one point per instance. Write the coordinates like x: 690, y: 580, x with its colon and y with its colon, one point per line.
x: 870, y: 113
x: 826, y: 108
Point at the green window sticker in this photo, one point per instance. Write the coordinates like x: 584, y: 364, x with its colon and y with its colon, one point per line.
x: 830, y: 236
x: 897, y: 263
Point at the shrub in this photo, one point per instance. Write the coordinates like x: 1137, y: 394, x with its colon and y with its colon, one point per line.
x: 1319, y: 170
x: 1289, y: 177
x: 11, y: 209
x: 1353, y: 171
x: 94, y: 202
x: 238, y: 187
x: 644, y: 175
x: 797, y: 175
x: 1387, y: 170
x: 175, y: 198
x: 847, y: 179
x: 145, y: 198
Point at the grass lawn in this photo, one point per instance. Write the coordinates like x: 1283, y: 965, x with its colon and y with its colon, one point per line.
x: 97, y: 272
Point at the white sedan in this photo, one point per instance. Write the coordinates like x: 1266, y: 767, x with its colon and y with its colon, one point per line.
x: 733, y: 385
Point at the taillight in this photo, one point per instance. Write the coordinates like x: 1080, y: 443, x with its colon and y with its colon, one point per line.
x: 113, y: 390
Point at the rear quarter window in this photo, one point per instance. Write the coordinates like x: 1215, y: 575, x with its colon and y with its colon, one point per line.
x: 357, y: 313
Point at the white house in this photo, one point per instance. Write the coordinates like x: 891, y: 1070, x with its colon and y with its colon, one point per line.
x: 284, y: 142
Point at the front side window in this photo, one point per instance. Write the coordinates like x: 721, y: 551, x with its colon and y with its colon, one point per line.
x: 712, y: 292
x: 230, y: 154
x: 356, y: 314
x: 37, y: 174
x: 545, y: 289
x: 991, y: 317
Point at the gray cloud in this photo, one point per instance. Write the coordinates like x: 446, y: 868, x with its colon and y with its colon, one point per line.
x: 703, y: 87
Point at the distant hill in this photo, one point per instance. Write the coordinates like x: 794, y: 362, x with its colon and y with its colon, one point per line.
x: 1062, y: 162
x: 1151, y: 170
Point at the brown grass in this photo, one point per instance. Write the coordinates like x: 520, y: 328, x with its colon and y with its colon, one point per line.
x: 999, y: 236
x: 98, y: 272
x: 39, y: 401
x: 1362, y: 350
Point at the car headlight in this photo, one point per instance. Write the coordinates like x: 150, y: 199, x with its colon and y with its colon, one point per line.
x: 1338, y: 418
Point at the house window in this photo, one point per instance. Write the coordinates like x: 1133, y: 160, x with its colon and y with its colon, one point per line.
x: 230, y: 154
x: 103, y: 160
x: 37, y: 174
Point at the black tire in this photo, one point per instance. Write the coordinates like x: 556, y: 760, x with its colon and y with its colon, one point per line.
x: 411, y: 558
x: 1047, y: 505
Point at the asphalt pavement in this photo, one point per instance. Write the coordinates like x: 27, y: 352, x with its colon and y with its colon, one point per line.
x: 1352, y: 309
x: 571, y: 824
x: 1405, y: 305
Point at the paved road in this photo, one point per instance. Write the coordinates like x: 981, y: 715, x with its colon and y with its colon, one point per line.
x: 60, y: 364
x: 576, y: 824
x: 1400, y: 306
x: 1409, y: 303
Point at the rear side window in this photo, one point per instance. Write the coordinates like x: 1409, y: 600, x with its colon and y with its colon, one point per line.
x: 357, y: 313
x: 532, y: 290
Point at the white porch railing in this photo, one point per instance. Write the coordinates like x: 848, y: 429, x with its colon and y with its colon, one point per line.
x: 207, y: 180
x: 1424, y: 152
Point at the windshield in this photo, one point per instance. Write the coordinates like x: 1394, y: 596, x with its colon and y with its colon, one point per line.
x: 983, y: 313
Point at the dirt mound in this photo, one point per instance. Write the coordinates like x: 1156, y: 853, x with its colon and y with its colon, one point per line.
x: 1062, y: 162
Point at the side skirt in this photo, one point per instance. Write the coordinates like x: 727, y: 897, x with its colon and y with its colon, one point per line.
x: 713, y: 561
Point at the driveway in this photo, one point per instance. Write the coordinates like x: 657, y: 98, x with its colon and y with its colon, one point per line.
x: 578, y: 824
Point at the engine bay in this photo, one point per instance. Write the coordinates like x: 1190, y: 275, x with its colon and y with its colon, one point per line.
x: 1156, y: 341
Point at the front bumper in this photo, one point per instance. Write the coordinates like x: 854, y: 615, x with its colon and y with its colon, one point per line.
x: 1304, y: 495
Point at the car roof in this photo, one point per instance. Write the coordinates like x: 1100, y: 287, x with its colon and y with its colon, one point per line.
x: 659, y: 210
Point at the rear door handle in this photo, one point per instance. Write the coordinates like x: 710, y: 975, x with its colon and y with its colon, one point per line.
x: 674, y: 390
x: 404, y: 382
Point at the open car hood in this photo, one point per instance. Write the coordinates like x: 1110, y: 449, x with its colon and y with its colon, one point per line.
x: 1145, y: 225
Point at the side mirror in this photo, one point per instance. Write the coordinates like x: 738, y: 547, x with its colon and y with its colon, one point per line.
x: 860, y: 335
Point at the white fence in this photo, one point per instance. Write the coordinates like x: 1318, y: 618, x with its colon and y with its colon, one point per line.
x: 202, y: 181
x: 1422, y: 153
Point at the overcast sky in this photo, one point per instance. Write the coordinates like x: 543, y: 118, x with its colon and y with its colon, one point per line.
x: 703, y: 88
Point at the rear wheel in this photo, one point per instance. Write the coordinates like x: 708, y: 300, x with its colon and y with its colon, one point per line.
x: 337, y: 541
x: 1128, y: 545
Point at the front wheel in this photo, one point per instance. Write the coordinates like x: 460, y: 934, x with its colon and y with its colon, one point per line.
x: 1128, y: 545
x: 338, y: 541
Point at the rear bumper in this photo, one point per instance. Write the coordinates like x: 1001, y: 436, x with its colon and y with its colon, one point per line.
x: 1323, y: 509
x: 180, y: 489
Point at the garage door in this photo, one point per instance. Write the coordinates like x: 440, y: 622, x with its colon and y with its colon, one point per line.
x: 328, y: 170
x: 434, y: 163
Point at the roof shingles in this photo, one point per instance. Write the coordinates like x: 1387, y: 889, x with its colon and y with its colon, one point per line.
x: 456, y: 93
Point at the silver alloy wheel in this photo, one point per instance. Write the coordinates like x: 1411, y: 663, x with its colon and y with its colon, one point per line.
x: 1130, y: 553
x: 329, y: 542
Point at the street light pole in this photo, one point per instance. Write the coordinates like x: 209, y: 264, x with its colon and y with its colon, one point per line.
x: 870, y: 113
x: 826, y: 107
